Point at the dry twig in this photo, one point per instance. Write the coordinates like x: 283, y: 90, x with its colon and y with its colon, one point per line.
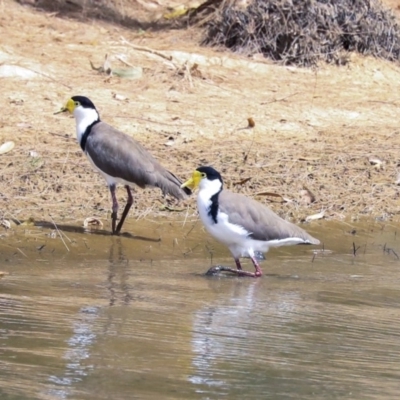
x: 304, y: 32
x: 148, y: 50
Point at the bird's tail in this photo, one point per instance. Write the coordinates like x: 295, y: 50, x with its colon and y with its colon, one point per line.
x: 171, y: 184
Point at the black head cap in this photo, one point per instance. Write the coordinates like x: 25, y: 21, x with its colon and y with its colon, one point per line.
x: 83, y: 101
x: 210, y: 172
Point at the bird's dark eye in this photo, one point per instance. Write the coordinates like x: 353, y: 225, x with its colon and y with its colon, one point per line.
x: 76, y: 103
x: 203, y: 175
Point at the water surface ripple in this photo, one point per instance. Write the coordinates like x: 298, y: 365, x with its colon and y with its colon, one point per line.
x: 126, y: 318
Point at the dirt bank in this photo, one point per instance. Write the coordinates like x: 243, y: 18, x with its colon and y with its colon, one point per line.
x: 319, y: 129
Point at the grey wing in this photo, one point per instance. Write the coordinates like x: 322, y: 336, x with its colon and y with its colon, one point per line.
x: 259, y: 220
x: 119, y: 155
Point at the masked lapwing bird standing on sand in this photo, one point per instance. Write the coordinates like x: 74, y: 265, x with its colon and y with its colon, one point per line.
x: 245, y: 226
x: 118, y: 157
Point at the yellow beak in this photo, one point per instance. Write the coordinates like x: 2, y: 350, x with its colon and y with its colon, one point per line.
x: 63, y: 109
x: 69, y: 106
x: 194, y: 181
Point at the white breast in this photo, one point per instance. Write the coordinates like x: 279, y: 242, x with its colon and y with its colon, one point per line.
x: 235, y: 237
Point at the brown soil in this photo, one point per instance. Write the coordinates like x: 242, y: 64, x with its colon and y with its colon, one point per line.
x: 317, y: 129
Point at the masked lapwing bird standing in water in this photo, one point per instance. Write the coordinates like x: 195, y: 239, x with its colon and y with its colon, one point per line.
x: 118, y: 157
x: 245, y: 226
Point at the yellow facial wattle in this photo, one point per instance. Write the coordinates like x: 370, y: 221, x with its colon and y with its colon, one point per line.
x: 194, y: 181
x: 69, y: 106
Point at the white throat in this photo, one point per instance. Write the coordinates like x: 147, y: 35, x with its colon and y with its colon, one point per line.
x: 83, y: 118
x: 207, y: 189
x: 210, y: 187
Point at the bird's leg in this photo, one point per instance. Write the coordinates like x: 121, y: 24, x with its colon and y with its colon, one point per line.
x: 238, y: 265
x: 258, y: 272
x: 114, y: 208
x: 239, y: 271
x: 126, y: 209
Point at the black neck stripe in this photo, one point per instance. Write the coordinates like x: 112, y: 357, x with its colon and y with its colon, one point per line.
x: 87, y: 133
x: 213, y: 211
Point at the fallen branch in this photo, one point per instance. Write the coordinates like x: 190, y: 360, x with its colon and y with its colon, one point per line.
x: 148, y: 50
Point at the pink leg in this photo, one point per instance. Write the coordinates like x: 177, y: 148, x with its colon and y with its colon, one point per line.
x: 258, y: 272
x: 240, y: 272
x: 238, y: 265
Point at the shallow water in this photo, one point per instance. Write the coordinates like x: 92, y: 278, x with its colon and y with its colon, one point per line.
x: 128, y: 318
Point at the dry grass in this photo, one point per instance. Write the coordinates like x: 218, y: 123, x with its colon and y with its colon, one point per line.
x: 312, y: 128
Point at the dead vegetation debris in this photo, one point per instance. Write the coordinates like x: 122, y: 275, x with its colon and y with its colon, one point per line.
x: 353, y: 187
x: 304, y: 33
x: 46, y: 173
x: 292, y: 32
x: 131, y: 14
